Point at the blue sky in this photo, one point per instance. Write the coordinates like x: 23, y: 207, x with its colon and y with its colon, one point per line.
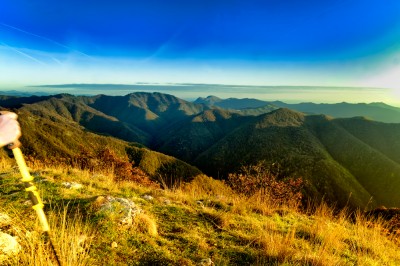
x: 264, y: 43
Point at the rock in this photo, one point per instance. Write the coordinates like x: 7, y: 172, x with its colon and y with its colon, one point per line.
x: 5, y: 220
x: 148, y: 197
x: 124, y: 209
x: 44, y: 180
x: 200, y: 203
x: 8, y: 246
x: 206, y: 262
x: 72, y: 185
x: 167, y: 202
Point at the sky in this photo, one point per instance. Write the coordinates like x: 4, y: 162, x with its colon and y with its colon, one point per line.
x: 269, y: 49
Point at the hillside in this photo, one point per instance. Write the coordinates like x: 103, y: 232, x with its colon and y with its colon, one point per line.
x: 231, y: 103
x: 282, y: 138
x: 54, y: 139
x: 191, y: 137
x: 375, y: 111
x: 147, y: 111
x: 136, y: 117
x: 204, y: 222
x: 344, y: 161
x: 317, y: 148
x: 104, y: 208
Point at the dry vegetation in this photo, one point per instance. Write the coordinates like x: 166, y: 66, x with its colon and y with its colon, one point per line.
x: 189, y: 224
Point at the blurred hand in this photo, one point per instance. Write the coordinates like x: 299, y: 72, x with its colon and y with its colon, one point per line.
x: 10, y: 130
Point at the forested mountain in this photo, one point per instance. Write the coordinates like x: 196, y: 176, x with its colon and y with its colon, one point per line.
x: 374, y: 111
x: 346, y: 160
x: 60, y: 129
x: 318, y: 148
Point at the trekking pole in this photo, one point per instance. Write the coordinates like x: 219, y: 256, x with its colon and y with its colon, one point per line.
x: 34, y: 196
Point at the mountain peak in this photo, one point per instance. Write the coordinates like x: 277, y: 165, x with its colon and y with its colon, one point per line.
x: 209, y: 100
x: 282, y: 117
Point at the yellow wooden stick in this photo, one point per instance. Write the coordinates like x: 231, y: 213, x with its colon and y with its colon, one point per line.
x: 31, y: 189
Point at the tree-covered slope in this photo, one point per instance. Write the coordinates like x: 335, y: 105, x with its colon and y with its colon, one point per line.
x: 351, y: 163
x: 384, y: 137
x: 282, y: 137
x: 147, y: 111
x: 374, y: 170
x: 188, y: 139
x: 375, y: 111
x: 344, y: 160
x: 63, y: 141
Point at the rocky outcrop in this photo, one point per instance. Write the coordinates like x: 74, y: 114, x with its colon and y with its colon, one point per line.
x: 9, y: 245
x: 124, y: 210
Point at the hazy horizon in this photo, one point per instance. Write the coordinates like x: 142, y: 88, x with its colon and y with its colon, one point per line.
x: 190, y: 92
x: 248, y: 44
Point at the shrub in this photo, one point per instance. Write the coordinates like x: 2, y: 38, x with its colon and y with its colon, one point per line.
x: 105, y: 160
x: 265, y: 181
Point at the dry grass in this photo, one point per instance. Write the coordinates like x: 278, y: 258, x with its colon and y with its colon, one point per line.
x: 70, y: 235
x: 203, y: 219
x: 145, y: 224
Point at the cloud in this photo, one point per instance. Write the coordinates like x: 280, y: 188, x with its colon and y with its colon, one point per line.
x: 26, y: 55
x: 69, y: 49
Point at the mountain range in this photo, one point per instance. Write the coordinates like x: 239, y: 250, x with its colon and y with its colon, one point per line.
x: 348, y: 161
x: 375, y: 111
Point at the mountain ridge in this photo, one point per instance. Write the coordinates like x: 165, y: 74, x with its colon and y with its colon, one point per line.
x: 328, y: 152
x: 375, y: 111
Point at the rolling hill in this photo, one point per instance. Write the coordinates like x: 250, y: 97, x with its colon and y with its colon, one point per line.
x: 53, y: 133
x: 318, y: 148
x: 344, y: 161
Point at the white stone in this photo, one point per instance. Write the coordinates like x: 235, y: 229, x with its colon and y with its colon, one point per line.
x: 72, y: 185
x: 148, y: 197
x: 167, y: 202
x: 8, y: 246
x: 206, y: 262
x: 5, y: 220
x: 125, y: 208
x: 200, y: 203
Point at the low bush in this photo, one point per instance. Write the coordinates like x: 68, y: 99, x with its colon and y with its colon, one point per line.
x: 262, y: 180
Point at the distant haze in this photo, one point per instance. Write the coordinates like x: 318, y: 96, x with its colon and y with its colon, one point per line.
x: 249, y: 44
x: 289, y: 94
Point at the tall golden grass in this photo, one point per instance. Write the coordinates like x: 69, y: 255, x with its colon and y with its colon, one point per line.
x: 71, y: 237
x: 277, y: 234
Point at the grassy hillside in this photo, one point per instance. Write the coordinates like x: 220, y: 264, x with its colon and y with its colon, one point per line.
x: 343, y: 160
x: 65, y: 142
x: 118, y: 217
x: 201, y: 223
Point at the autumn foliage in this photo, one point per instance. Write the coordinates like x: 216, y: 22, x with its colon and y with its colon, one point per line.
x: 106, y: 160
x: 264, y: 181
